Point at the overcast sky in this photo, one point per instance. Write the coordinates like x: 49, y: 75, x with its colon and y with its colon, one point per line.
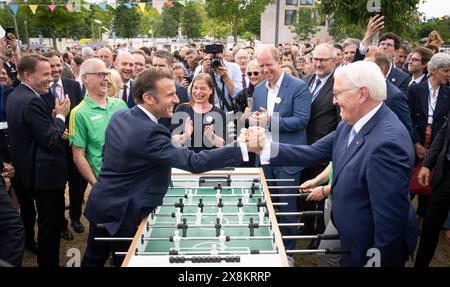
x: 435, y: 8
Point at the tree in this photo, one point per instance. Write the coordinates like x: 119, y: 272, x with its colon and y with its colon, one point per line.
x: 149, y: 18
x: 168, y: 24
x: 126, y: 21
x: 305, y: 24
x: 351, y: 16
x: 233, y: 11
x: 216, y: 29
x: 192, y: 14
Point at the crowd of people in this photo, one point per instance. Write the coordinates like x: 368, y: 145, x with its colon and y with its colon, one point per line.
x: 347, y: 122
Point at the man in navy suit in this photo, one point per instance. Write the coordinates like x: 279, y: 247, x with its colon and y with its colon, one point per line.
x: 372, y: 157
x: 283, y: 104
x: 138, y: 156
x: 37, y: 151
x: 417, y: 65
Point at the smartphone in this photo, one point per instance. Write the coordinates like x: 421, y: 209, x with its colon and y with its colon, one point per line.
x: 188, y: 79
x: 377, y: 11
x: 9, y: 33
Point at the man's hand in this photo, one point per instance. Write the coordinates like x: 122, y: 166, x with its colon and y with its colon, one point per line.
x: 206, y: 64
x: 260, y: 118
x: 421, y: 151
x: 62, y: 107
x: 307, y: 185
x: 256, y: 139
x: 209, y: 132
x: 424, y: 176
x: 185, y: 83
x: 8, y: 170
x: 65, y: 135
x: 375, y: 24
x: 188, y: 127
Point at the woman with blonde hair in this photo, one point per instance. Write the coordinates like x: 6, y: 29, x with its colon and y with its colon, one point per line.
x: 114, y: 83
x: 199, y: 124
x: 434, y: 39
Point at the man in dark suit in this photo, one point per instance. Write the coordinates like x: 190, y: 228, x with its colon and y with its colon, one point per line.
x: 417, y: 65
x: 61, y: 88
x: 67, y: 70
x: 124, y: 64
x: 323, y: 120
x: 372, y: 159
x: 438, y: 157
x: 282, y: 103
x: 395, y: 99
x: 37, y: 151
x: 12, y: 232
x: 134, y: 177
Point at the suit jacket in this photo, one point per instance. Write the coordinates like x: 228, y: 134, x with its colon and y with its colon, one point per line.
x: 135, y: 174
x: 398, y: 103
x: 418, y: 97
x: 67, y: 72
x: 291, y: 114
x: 73, y: 90
x: 371, y: 204
x: 324, y: 116
x: 437, y: 154
x: 399, y: 78
x: 37, y: 149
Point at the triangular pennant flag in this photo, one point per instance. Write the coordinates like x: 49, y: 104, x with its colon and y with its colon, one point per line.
x: 33, y: 8
x: 51, y: 7
x: 69, y: 7
x: 102, y: 6
x: 14, y: 8
x: 169, y: 4
x: 113, y: 5
x: 182, y: 2
x: 142, y: 6
x: 87, y: 7
x: 129, y: 5
x: 158, y: 4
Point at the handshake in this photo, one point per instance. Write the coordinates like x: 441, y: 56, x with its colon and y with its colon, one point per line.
x: 254, y: 138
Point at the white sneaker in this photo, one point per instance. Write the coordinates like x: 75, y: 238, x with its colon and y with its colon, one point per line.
x: 291, y: 261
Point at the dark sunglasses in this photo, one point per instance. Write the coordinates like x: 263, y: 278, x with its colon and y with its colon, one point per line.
x: 255, y: 73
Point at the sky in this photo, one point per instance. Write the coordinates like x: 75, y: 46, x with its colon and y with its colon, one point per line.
x: 435, y: 8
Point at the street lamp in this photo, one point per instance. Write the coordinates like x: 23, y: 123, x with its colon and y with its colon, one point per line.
x: 99, y: 28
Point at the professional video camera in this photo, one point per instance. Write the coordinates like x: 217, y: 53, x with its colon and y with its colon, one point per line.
x: 215, y: 49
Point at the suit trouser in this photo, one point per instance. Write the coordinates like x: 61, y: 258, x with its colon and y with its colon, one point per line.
x: 77, y: 186
x: 50, y: 205
x: 27, y: 210
x: 280, y: 173
x: 97, y: 252
x: 12, y: 232
x: 435, y: 217
x: 329, y: 260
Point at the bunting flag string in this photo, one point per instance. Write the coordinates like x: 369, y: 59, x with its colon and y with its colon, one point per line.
x: 71, y: 6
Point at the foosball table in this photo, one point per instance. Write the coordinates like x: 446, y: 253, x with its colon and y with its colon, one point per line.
x: 218, y: 218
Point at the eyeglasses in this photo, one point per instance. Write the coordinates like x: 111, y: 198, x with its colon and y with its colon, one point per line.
x: 322, y: 60
x: 101, y: 75
x: 255, y: 73
x: 416, y: 60
x: 336, y: 94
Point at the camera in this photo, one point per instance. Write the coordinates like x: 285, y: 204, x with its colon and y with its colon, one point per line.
x: 9, y: 33
x: 215, y: 49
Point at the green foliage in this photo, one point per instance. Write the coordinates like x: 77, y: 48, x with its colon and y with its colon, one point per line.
x: 305, y: 24
x: 126, y: 22
x: 191, y: 15
x: 234, y: 11
x: 350, y: 17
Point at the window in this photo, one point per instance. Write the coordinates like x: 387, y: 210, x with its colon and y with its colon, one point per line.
x: 291, y: 2
x: 306, y: 2
x: 289, y: 17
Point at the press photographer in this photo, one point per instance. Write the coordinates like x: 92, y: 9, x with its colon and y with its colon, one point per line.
x: 225, y: 75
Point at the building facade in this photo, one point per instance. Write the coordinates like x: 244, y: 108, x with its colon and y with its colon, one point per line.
x: 288, y: 12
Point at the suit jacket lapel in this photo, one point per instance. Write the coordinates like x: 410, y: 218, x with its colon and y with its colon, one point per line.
x: 283, y: 87
x: 325, y: 89
x: 424, y: 95
x: 442, y: 103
